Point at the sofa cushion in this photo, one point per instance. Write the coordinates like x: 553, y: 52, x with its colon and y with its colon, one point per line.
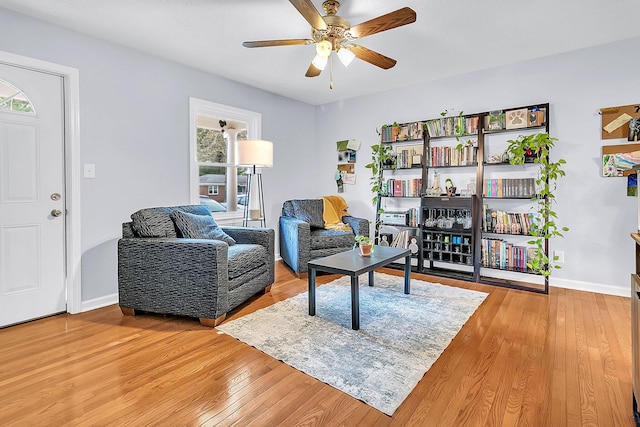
x: 287, y: 209
x: 244, y: 257
x: 310, y: 211
x: 157, y: 222
x: 193, y: 226
x: 322, y: 239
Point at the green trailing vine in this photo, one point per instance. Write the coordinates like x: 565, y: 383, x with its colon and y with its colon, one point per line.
x: 381, y: 155
x: 458, y: 130
x: 535, y: 149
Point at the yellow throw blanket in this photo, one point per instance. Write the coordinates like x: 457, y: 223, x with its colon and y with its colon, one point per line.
x: 335, y: 207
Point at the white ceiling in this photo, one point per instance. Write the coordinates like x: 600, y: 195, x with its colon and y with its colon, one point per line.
x: 449, y: 37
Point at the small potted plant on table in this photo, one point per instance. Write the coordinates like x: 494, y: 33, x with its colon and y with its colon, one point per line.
x: 364, y: 242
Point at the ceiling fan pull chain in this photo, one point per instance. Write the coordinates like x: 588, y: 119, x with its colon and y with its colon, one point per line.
x: 331, y: 72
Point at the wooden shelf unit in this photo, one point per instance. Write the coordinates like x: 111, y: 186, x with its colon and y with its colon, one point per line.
x: 451, y: 154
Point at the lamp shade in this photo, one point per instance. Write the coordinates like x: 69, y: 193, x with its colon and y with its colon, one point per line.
x: 346, y: 56
x: 254, y: 152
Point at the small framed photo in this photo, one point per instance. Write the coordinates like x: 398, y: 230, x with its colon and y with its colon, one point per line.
x: 536, y: 117
x: 516, y: 119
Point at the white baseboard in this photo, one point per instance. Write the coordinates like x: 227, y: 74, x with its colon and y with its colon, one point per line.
x: 599, y: 288
x: 95, y: 303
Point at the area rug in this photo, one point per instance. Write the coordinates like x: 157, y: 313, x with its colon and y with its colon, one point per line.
x: 400, y: 335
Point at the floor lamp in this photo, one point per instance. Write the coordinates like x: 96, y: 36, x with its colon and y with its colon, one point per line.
x: 254, y: 154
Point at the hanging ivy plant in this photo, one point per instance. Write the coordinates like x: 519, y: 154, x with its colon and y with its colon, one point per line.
x: 535, y: 149
x: 382, y: 157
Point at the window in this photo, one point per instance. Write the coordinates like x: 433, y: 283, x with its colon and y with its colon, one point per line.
x: 14, y: 100
x: 215, y: 174
x: 215, y: 180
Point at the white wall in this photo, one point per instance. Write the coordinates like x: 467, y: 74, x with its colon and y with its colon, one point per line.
x: 599, y: 253
x: 134, y: 127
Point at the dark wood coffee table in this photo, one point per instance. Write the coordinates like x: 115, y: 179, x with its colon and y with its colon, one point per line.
x: 353, y: 265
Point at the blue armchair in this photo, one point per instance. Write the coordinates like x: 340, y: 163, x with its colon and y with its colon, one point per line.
x: 303, y: 236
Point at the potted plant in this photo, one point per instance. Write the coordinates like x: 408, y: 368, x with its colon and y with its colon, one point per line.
x: 535, y: 148
x: 365, y: 244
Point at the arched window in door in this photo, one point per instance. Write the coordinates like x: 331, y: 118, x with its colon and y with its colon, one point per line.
x: 14, y: 100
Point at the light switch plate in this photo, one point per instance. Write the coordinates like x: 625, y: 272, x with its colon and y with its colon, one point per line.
x: 89, y: 170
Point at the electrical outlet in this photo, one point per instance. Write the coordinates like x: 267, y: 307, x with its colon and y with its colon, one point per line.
x: 559, y: 256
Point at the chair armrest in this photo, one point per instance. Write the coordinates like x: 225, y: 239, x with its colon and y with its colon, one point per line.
x: 174, y: 276
x: 295, y: 243
x: 257, y: 236
x: 359, y: 225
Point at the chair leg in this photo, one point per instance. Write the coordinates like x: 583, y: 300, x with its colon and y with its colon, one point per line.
x: 212, y: 323
x: 128, y: 311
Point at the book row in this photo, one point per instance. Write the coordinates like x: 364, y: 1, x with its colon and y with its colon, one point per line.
x: 405, y: 239
x: 404, y: 132
x: 453, y: 156
x: 452, y: 126
x: 509, y: 187
x: 497, y: 253
x: 408, y: 156
x: 412, y: 217
x: 401, y: 187
x: 497, y: 221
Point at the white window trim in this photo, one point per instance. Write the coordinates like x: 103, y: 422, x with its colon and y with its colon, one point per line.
x: 200, y: 106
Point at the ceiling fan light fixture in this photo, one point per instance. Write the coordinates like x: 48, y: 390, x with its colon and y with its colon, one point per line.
x: 319, y: 62
x: 346, y: 56
x: 323, y: 48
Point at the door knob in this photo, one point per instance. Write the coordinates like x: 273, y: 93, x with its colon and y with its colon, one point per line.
x: 56, y: 212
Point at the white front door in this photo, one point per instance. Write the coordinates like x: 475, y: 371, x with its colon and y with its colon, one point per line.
x: 32, y: 198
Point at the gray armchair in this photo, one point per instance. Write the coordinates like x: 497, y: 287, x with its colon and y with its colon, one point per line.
x: 165, y: 266
x: 303, y: 236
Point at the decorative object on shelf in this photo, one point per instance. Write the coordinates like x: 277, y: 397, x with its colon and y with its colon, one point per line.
x: 435, y: 190
x: 495, y: 120
x: 413, y: 245
x: 365, y: 244
x: 516, y: 119
x: 448, y: 185
x: 548, y: 173
x: 536, y: 117
x: 254, y: 154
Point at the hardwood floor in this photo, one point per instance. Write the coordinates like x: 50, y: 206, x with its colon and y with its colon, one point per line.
x: 522, y: 359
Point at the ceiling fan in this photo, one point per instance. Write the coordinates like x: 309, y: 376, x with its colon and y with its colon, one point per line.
x: 333, y: 33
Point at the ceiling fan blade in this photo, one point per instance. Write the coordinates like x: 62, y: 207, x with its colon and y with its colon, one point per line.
x: 310, y: 13
x: 313, y: 71
x: 372, y: 57
x: 398, y: 18
x: 266, y: 43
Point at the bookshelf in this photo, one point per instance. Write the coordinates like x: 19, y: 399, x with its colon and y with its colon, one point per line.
x: 505, y: 193
x: 402, y: 189
x: 491, y: 207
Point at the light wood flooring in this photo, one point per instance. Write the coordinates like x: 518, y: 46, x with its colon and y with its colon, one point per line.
x: 522, y: 359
